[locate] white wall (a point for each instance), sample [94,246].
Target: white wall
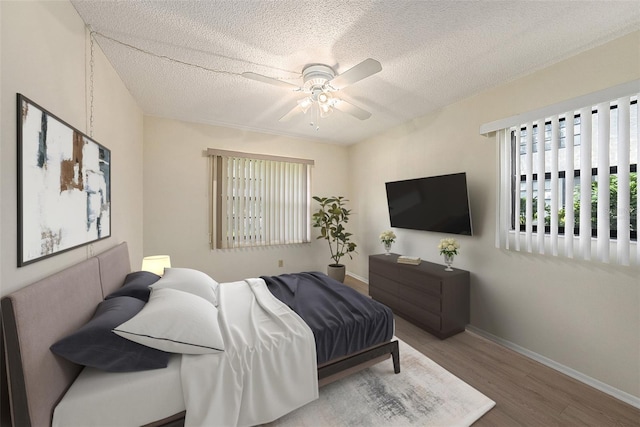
[585,316]
[45,56]
[176,197]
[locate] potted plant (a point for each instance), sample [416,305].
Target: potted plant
[330,219]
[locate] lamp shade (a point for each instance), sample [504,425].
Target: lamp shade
[156,264]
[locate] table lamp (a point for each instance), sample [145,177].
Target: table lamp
[156,264]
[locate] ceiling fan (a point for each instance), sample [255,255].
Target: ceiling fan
[321,84]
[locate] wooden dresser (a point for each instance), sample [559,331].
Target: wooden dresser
[425,294]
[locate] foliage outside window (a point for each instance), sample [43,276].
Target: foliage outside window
[572,178]
[568,181]
[258,200]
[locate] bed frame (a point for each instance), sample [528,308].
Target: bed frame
[38,315]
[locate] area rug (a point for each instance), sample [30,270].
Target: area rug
[422,394]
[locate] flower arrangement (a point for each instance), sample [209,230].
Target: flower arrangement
[448,247]
[387,237]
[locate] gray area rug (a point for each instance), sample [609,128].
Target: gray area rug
[422,394]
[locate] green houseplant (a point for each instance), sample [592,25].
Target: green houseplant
[330,219]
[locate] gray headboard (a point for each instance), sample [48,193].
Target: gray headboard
[38,315]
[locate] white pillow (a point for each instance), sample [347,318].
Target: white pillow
[189,280]
[175,322]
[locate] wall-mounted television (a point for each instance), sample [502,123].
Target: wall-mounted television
[435,203]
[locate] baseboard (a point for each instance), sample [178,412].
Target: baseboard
[599,385]
[355,276]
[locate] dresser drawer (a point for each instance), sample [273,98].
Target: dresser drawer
[377,281]
[383,286]
[383,268]
[418,315]
[416,279]
[419,298]
[408,275]
[384,297]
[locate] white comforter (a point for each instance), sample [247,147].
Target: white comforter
[267,370]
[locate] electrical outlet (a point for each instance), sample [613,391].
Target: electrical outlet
[280,263]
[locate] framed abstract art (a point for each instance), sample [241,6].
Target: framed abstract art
[64,185]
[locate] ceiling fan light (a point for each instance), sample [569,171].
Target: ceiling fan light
[325,110]
[324,98]
[305,104]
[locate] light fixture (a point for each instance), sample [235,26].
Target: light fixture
[323,98]
[305,103]
[321,103]
[156,264]
[325,102]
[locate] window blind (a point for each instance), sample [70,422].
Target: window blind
[568,183]
[258,200]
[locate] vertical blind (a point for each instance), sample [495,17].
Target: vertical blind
[258,200]
[568,183]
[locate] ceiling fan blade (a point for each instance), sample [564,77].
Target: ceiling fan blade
[366,68]
[295,110]
[270,80]
[349,108]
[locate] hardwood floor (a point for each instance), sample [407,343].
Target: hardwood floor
[526,392]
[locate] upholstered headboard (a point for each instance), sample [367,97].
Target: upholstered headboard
[38,315]
[114,266]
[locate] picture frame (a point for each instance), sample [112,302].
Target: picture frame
[64,185]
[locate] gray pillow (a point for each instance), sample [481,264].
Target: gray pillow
[95,345]
[136,285]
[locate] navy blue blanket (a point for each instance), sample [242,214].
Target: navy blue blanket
[343,320]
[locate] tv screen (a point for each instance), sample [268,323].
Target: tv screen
[436,203]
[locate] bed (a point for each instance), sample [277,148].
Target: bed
[35,317]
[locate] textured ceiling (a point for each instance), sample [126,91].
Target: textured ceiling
[432,53]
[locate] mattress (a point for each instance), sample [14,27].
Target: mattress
[98,398]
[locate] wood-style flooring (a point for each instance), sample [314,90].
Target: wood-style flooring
[526,392]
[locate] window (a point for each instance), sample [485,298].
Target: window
[258,200]
[569,179]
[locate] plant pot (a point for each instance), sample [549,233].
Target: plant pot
[336,271]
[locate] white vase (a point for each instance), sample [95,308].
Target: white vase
[448,259]
[387,247]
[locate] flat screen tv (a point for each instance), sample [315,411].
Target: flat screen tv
[436,203]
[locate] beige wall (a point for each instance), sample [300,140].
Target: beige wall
[176,197]
[585,316]
[45,55]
